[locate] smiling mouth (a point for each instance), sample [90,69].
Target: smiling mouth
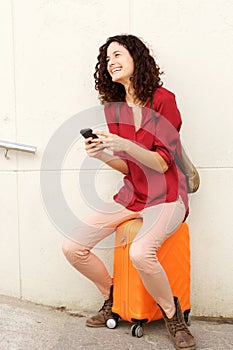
[116,70]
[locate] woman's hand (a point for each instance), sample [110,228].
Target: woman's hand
[113,142]
[94,147]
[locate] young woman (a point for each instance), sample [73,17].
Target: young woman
[144,124]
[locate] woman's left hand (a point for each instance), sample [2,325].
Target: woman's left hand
[113,141]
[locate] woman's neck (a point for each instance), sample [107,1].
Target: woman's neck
[131,98]
[129,94]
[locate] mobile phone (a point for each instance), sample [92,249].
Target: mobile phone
[88,133]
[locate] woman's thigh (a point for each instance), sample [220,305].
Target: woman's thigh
[159,222]
[101,224]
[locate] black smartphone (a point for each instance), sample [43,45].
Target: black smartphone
[88,133]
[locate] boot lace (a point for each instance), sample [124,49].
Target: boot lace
[107,307]
[177,325]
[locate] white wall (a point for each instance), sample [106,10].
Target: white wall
[48,53]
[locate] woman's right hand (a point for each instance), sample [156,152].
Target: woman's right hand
[95,148]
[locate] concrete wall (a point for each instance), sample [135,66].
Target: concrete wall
[48,53]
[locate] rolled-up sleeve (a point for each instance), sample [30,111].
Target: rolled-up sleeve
[167,140]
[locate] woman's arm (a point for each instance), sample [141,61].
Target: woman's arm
[149,158]
[114,162]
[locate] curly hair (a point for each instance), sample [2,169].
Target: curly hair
[146,77]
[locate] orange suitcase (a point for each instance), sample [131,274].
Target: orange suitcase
[131,301]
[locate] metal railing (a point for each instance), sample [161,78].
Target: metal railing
[16,147]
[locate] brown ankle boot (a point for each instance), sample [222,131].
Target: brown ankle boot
[178,330]
[99,320]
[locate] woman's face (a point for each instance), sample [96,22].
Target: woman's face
[120,64]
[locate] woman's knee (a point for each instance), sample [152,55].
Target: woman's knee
[71,248]
[137,256]
[144,259]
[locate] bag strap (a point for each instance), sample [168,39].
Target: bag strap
[154,117]
[117,113]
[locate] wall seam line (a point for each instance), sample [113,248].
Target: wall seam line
[16,135]
[79,169]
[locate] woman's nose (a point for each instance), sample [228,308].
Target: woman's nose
[111,61]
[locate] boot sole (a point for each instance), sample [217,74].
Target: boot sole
[95,326]
[193,347]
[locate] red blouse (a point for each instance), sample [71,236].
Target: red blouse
[144,186]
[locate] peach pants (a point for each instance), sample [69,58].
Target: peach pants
[159,222]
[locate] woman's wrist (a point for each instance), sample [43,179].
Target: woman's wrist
[127,146]
[103,156]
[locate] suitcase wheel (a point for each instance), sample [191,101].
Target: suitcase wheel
[112,322]
[187,317]
[137,331]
